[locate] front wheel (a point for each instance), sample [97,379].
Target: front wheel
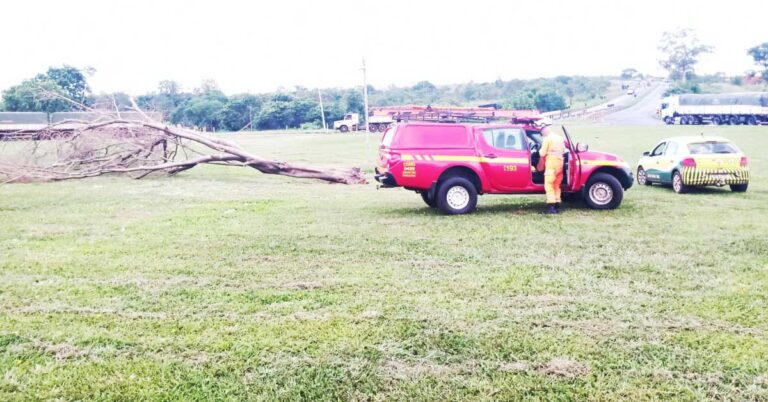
[677,183]
[344,129]
[669,120]
[430,201]
[739,188]
[456,196]
[642,177]
[603,192]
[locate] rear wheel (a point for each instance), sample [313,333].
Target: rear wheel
[642,177]
[603,191]
[716,120]
[456,196]
[752,120]
[739,188]
[733,120]
[430,201]
[677,183]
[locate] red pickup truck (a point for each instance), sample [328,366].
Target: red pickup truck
[451,164]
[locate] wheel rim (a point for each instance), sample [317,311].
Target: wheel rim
[601,193]
[641,177]
[457,197]
[677,183]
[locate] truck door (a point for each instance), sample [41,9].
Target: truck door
[505,158]
[571,163]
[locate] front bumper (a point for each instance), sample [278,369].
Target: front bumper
[714,177]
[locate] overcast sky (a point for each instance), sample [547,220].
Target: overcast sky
[250,46]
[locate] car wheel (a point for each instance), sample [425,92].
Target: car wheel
[430,201]
[734,121]
[677,183]
[752,120]
[716,121]
[603,191]
[739,188]
[456,196]
[343,129]
[669,120]
[642,177]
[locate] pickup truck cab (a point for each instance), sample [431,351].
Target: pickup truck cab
[450,164]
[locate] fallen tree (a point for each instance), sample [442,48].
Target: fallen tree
[77,149]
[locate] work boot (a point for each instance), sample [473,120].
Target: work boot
[551,210]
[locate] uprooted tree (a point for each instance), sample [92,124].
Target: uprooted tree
[76,149]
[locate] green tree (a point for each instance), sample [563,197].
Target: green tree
[548,101]
[760,54]
[239,110]
[49,92]
[71,80]
[681,51]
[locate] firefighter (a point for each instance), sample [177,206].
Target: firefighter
[551,161]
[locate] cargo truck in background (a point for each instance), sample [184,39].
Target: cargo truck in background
[351,122]
[733,109]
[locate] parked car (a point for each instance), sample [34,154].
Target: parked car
[685,162]
[450,164]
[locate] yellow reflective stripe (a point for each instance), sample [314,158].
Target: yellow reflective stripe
[461,158]
[603,163]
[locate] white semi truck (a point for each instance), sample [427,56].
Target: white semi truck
[734,108]
[352,122]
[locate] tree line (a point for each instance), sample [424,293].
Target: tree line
[207,107]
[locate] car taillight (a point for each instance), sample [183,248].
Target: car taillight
[743,161]
[393,157]
[689,162]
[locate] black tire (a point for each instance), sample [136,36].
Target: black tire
[374,127]
[344,129]
[717,120]
[603,191]
[752,120]
[684,120]
[678,184]
[669,120]
[734,121]
[642,177]
[456,196]
[430,201]
[739,188]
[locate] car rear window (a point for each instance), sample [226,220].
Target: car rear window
[712,147]
[442,136]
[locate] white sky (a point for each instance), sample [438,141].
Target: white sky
[260,46]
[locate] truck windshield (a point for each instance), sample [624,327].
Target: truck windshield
[712,147]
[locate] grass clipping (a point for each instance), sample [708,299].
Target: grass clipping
[137,148]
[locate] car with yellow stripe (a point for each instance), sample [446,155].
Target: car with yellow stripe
[450,164]
[695,161]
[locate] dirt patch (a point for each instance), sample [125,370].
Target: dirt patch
[303,285]
[516,367]
[566,368]
[62,351]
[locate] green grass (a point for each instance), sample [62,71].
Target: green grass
[224,284]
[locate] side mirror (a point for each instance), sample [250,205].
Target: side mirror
[646,153]
[582,147]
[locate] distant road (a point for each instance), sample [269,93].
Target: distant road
[643,113]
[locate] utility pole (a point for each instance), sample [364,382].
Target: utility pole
[365,99]
[322,113]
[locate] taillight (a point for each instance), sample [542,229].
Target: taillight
[744,161]
[393,157]
[689,162]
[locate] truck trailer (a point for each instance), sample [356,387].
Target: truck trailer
[733,109]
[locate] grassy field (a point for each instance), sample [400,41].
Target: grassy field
[224,284]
